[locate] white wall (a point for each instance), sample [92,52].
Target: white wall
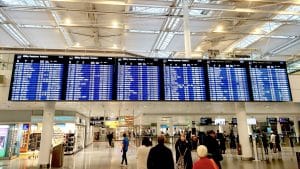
[295,87]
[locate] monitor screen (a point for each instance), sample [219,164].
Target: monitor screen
[228,80]
[205,121]
[283,120]
[234,121]
[184,80]
[269,81]
[219,121]
[89,78]
[138,79]
[251,121]
[272,120]
[37,78]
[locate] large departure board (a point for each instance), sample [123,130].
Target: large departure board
[269,81]
[138,79]
[184,80]
[228,80]
[89,78]
[37,78]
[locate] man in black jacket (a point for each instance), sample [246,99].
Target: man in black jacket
[213,147]
[160,156]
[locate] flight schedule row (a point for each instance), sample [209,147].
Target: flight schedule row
[78,78]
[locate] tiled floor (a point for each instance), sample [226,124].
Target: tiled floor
[99,156]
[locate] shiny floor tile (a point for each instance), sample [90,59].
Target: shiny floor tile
[100,156]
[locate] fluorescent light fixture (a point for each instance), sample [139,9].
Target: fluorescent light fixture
[142,31]
[37,26]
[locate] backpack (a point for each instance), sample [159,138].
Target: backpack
[180,163]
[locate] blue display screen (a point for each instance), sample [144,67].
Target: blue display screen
[89,78]
[184,80]
[138,79]
[228,81]
[269,81]
[37,78]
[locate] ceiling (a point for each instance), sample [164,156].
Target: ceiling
[261,29]
[255,29]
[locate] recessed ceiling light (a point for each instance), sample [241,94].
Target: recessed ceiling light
[68,21]
[219,28]
[77,44]
[115,46]
[115,24]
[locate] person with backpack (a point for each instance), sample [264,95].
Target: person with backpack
[203,162]
[183,153]
[125,144]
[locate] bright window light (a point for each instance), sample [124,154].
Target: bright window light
[150,10]
[266,28]
[23,2]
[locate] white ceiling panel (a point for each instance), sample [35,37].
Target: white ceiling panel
[6,40]
[287,30]
[31,18]
[266,44]
[144,23]
[201,26]
[45,38]
[177,44]
[293,50]
[146,41]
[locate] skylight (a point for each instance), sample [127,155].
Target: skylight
[293,67]
[266,28]
[23,2]
[148,10]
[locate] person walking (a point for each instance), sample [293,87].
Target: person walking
[265,142]
[272,142]
[277,142]
[125,144]
[222,141]
[160,156]
[204,162]
[183,149]
[213,148]
[142,154]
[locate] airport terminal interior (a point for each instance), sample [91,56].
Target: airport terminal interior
[76,75]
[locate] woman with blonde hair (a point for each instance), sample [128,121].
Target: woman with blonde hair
[204,162]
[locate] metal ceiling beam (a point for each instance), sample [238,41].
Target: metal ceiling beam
[80,51]
[202,7]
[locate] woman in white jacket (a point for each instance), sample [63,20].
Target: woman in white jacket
[142,154]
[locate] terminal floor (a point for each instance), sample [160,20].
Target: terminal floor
[100,156]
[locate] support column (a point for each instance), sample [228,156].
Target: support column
[279,130]
[240,111]
[158,128]
[221,130]
[47,133]
[296,127]
[186,27]
[171,127]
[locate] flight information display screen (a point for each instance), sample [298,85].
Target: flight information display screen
[269,81]
[228,80]
[138,79]
[89,78]
[184,80]
[37,78]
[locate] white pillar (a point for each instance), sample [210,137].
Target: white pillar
[171,127]
[158,128]
[47,133]
[187,31]
[296,127]
[221,130]
[240,111]
[279,130]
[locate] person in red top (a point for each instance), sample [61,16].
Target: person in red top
[203,162]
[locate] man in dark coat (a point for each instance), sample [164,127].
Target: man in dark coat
[213,147]
[160,156]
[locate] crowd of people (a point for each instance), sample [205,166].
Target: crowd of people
[161,157]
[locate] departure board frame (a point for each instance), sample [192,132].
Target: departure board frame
[27,58]
[274,64]
[65,59]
